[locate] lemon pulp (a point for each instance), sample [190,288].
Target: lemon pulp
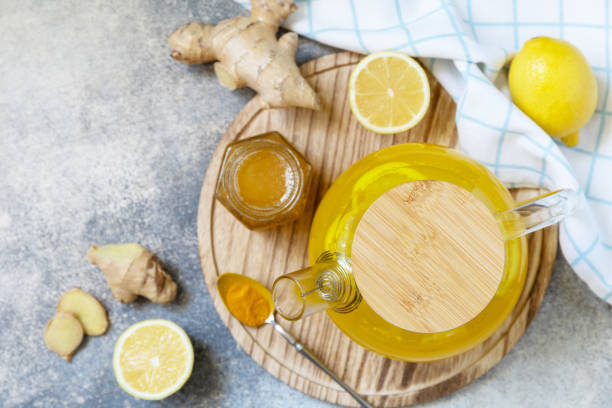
[388,92]
[153,359]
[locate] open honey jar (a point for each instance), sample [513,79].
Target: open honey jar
[264,181]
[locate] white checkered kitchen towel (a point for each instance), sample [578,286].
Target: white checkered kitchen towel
[466,45]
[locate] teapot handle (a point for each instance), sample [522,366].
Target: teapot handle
[537,213]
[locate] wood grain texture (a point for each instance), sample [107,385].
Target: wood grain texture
[428,256]
[332,140]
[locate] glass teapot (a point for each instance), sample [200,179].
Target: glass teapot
[418,252]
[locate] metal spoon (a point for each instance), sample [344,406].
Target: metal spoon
[223,285]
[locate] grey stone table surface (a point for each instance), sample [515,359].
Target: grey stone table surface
[103,138]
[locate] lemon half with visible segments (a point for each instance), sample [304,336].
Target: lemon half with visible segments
[153,359]
[389,92]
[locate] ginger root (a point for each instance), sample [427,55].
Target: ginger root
[249,54]
[78,313]
[132,270]
[87,309]
[63,334]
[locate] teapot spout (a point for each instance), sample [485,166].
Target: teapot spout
[328,284]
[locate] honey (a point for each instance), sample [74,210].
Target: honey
[269,166]
[264,181]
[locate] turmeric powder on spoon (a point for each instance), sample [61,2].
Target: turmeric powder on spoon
[251,302]
[246,299]
[246,304]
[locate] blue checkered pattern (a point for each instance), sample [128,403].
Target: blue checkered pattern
[467,44]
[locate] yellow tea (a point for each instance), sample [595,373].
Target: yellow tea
[350,196]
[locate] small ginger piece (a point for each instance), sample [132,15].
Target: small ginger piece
[87,309]
[133,271]
[63,334]
[248,54]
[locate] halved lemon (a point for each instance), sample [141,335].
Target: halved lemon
[153,359]
[388,92]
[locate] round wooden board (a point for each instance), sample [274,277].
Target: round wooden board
[332,140]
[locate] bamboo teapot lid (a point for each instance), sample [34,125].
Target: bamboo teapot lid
[428,256]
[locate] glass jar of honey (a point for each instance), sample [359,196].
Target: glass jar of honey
[264,181]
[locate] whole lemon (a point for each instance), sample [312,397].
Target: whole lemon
[551,81]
